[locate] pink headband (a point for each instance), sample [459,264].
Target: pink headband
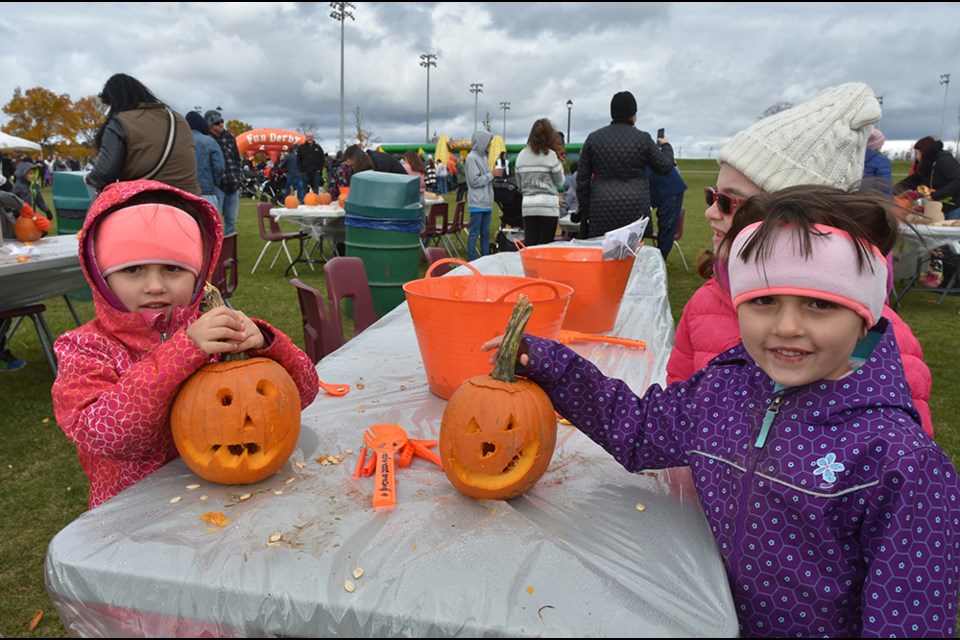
[831,272]
[148,234]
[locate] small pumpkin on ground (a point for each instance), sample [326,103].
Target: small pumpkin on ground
[498,432]
[236,421]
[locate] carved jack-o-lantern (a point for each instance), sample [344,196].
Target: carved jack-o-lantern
[237,421]
[498,432]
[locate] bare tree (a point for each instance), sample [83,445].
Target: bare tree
[775,108]
[365,137]
[308,125]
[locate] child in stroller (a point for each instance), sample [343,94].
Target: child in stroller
[506,193]
[273,187]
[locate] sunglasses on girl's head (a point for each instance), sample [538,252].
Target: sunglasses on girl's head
[725,202]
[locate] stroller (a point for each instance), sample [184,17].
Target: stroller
[506,193]
[274,188]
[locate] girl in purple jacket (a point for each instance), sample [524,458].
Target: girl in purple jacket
[835,514]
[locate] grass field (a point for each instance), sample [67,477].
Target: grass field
[42,488]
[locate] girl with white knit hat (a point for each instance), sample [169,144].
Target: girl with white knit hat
[820,142]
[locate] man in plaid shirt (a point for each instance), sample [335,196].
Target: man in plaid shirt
[228,191]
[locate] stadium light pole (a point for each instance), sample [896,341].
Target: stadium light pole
[945,81]
[428,60]
[569,107]
[476,88]
[504,106]
[341,12]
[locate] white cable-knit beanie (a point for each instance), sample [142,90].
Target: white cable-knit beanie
[822,141]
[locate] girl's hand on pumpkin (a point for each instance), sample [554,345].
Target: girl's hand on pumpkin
[493,344]
[219,330]
[253,338]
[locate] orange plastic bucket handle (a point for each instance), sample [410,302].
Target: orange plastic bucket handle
[519,244]
[458,261]
[533,283]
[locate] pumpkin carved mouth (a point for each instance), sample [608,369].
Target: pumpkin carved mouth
[516,468]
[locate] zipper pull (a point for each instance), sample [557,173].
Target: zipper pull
[163,336]
[768,418]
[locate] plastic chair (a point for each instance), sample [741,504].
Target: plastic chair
[676,236]
[439,253]
[320,334]
[346,277]
[271,232]
[226,274]
[35,313]
[459,224]
[437,226]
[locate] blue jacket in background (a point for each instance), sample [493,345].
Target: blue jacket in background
[210,163]
[877,173]
[664,186]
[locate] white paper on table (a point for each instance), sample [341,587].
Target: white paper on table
[18,251]
[624,242]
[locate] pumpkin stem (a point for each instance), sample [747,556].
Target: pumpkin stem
[212,299]
[504,369]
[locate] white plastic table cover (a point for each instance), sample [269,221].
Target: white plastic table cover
[54,271]
[573,557]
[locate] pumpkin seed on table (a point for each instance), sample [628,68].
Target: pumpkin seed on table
[349,586]
[357,573]
[175,500]
[641,506]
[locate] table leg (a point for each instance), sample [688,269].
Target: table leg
[302,237]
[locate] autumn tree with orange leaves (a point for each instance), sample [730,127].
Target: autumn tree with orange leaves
[42,116]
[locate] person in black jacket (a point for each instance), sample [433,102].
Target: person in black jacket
[310,158]
[938,169]
[612,186]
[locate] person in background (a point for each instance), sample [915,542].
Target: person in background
[291,164]
[228,191]
[877,171]
[452,169]
[666,196]
[539,174]
[413,164]
[310,158]
[442,178]
[431,175]
[27,187]
[479,180]
[12,207]
[834,513]
[133,139]
[612,186]
[146,250]
[935,168]
[210,162]
[568,203]
[819,142]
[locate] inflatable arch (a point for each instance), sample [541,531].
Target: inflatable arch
[270,141]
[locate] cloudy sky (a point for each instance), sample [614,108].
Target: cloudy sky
[701,70]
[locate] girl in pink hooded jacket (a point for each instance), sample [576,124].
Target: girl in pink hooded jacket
[147,249]
[820,142]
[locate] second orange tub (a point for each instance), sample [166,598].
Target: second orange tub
[598,284]
[454,315]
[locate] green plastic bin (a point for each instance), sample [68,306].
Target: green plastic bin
[383,218]
[71,199]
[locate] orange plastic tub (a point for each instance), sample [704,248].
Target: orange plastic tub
[598,284]
[454,315]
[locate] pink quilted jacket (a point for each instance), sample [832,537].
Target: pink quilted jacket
[120,372]
[709,327]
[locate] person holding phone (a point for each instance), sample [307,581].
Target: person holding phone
[612,185]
